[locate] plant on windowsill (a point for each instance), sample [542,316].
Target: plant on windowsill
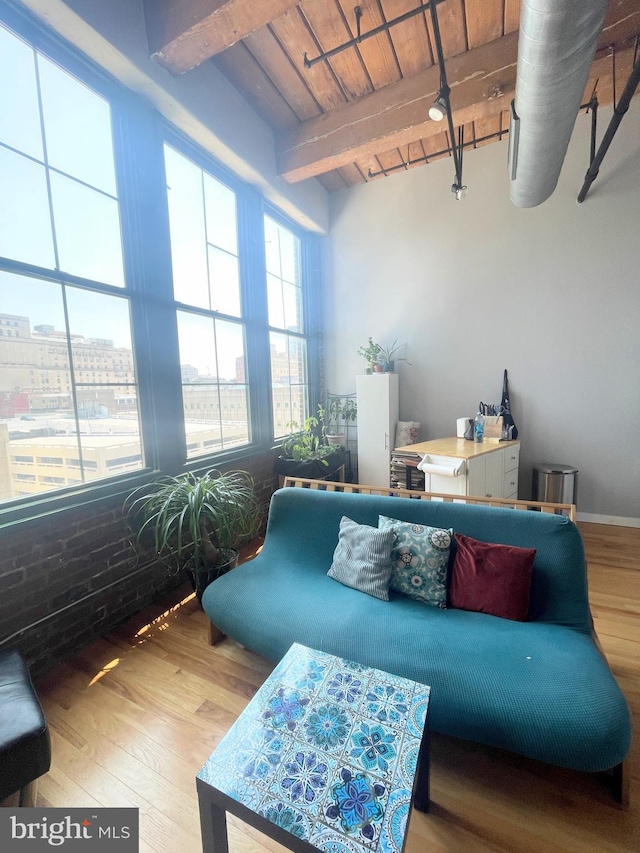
[197,522]
[305,453]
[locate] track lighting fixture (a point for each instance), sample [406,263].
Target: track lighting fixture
[438,109]
[460,191]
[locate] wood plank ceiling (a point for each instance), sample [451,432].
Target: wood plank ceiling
[363,113]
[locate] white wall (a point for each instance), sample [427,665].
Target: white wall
[472,287]
[202,103]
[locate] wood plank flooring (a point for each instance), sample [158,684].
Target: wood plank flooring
[135,715]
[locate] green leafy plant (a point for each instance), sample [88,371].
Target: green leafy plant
[370,352]
[199,521]
[337,413]
[306,442]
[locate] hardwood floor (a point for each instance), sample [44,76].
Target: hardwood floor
[134,716]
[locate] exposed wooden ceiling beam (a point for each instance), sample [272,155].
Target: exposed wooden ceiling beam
[183,33]
[482,84]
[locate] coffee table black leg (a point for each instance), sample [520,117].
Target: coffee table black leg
[421,789]
[213,825]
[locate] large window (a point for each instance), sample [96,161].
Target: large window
[68,393]
[206,284]
[151,314]
[288,344]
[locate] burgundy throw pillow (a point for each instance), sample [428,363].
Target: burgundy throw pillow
[491,578]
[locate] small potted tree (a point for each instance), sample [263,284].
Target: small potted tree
[370,354]
[335,417]
[196,521]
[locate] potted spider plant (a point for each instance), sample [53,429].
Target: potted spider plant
[197,521]
[387,357]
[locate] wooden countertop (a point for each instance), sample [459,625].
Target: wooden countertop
[458,448]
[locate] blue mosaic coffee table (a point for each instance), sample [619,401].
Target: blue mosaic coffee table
[328,755]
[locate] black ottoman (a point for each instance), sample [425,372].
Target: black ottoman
[25,749]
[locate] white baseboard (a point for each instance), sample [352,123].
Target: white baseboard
[618,520]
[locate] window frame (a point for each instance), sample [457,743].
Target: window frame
[139,134]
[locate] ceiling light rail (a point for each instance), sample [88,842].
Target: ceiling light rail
[589,106]
[408,163]
[360,37]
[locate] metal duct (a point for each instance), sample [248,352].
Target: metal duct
[556,47]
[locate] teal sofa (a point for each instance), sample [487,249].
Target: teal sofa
[539,688]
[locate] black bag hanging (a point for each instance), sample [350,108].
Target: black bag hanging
[506,407]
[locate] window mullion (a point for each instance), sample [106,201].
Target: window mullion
[254,309]
[145,225]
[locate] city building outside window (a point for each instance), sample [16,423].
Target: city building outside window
[70,355]
[112,364]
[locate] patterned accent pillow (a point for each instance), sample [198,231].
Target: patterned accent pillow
[419,560]
[362,559]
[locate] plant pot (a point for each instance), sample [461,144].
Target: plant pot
[377,368]
[209,574]
[388,366]
[313,469]
[339,438]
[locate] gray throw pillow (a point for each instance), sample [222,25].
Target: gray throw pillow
[362,559]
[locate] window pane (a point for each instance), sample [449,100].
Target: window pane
[214,391]
[87,232]
[77,128]
[289,255]
[220,205]
[197,346]
[289,382]
[292,298]
[187,225]
[230,345]
[279,359]
[101,329]
[202,418]
[25,223]
[225,282]
[272,247]
[284,293]
[274,296]
[37,392]
[297,360]
[19,113]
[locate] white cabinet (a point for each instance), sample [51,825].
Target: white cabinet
[378,412]
[486,475]
[486,470]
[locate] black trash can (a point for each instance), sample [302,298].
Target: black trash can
[555,483]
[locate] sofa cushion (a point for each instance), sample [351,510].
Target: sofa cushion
[419,560]
[362,558]
[536,689]
[491,578]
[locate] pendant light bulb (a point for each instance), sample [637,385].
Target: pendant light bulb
[438,109]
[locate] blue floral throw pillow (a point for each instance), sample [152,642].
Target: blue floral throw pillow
[362,559]
[419,560]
